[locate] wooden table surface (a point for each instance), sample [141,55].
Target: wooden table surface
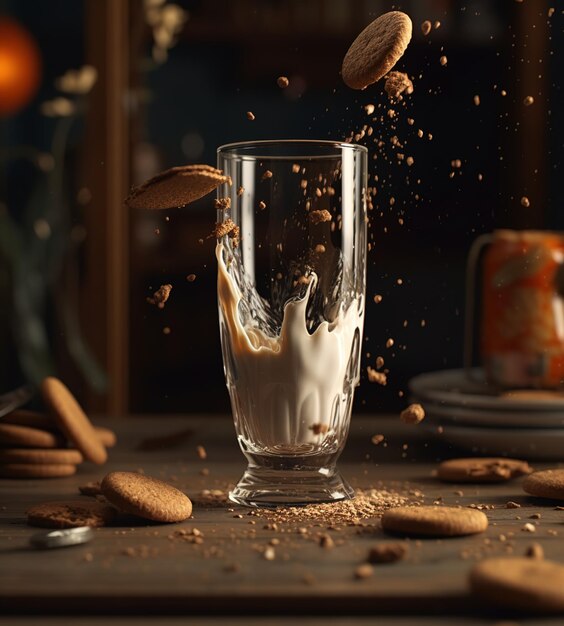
[145,569]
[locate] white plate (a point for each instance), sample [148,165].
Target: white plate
[527,443]
[446,413]
[453,388]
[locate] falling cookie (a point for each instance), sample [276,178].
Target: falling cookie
[377,49]
[435,521]
[546,484]
[146,497]
[520,584]
[72,420]
[482,470]
[71,514]
[176,187]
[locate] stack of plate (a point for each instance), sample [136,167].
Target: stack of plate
[463,410]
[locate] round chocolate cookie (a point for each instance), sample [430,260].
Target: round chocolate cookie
[70,514]
[434,521]
[520,584]
[35,470]
[26,437]
[146,497]
[546,484]
[482,470]
[377,49]
[72,420]
[37,456]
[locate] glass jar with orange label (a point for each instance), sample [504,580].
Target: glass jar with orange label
[522,313]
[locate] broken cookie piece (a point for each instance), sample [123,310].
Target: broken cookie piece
[160,296]
[398,83]
[319,216]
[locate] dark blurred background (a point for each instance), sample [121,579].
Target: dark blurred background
[165,84]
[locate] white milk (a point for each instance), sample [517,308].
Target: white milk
[282,388]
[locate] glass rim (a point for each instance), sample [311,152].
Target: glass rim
[236,149]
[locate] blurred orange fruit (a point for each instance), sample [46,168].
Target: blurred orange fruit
[20,66]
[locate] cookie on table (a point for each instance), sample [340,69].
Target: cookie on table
[146,497]
[482,470]
[27,437]
[520,584]
[434,521]
[176,187]
[72,420]
[41,456]
[376,50]
[91,489]
[106,436]
[70,514]
[35,470]
[546,484]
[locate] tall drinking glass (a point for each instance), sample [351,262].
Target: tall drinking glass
[291,311]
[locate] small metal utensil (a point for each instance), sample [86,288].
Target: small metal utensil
[62,538]
[13,400]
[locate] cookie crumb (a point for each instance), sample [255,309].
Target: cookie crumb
[535,551]
[250,116]
[240,191]
[267,174]
[320,248]
[222,204]
[376,377]
[378,298]
[369,108]
[228,227]
[191,278]
[413,414]
[529,528]
[512,505]
[201,452]
[166,330]
[398,83]
[528,100]
[326,542]
[364,571]
[443,60]
[389,343]
[160,296]
[282,82]
[319,216]
[436,25]
[477,100]
[319,429]
[269,553]
[295,168]
[387,553]
[376,439]
[262,205]
[426,27]
[525,202]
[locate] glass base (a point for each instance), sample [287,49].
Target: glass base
[266,487]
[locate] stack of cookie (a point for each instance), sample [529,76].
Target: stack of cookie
[53,444]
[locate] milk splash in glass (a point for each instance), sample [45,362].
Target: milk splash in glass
[291,308]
